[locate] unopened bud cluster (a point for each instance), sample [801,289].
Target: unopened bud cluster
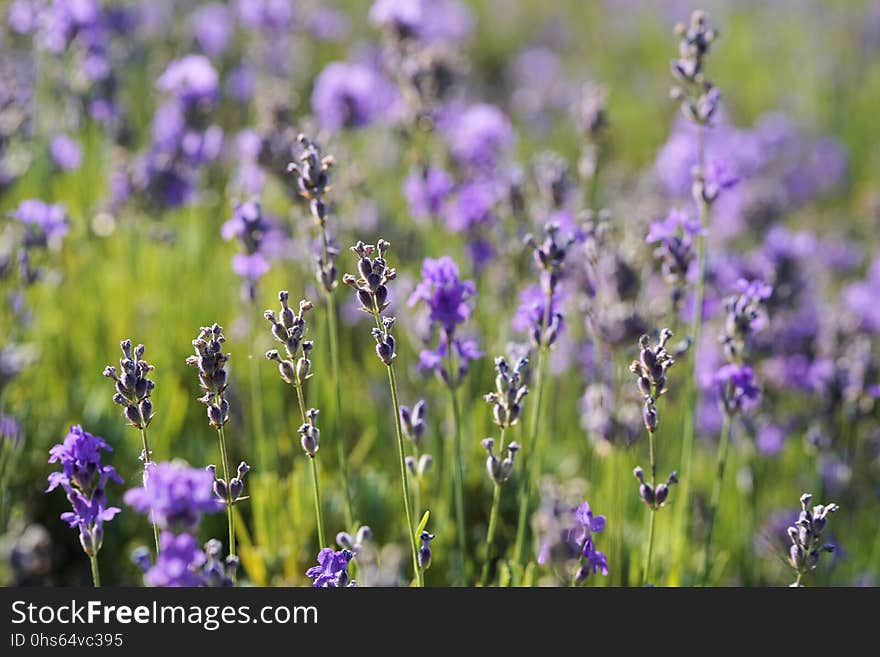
[289,329]
[550,255]
[133,388]
[313,183]
[806,536]
[499,470]
[654,498]
[213,376]
[310,434]
[232,491]
[699,97]
[509,392]
[650,372]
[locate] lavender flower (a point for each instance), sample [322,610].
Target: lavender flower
[213,376]
[250,227]
[191,80]
[356,543]
[699,97]
[745,317]
[332,569]
[426,191]
[133,388]
[477,136]
[175,496]
[84,480]
[350,95]
[674,237]
[737,388]
[181,562]
[499,470]
[509,392]
[66,153]
[313,183]
[806,537]
[230,492]
[425,554]
[650,372]
[447,299]
[290,331]
[310,433]
[45,223]
[567,535]
[429,21]
[413,422]
[550,257]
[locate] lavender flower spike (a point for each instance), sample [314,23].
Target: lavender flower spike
[84,480]
[806,537]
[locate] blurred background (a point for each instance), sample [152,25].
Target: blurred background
[84,124]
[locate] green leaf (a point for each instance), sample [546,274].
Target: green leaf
[423,523]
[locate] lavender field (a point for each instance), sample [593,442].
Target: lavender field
[439,293]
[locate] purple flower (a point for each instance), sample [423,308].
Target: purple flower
[737,387]
[45,222]
[190,79]
[80,458]
[332,569]
[861,297]
[677,223]
[250,266]
[241,83]
[447,299]
[477,135]
[178,562]
[84,480]
[426,191]
[10,431]
[175,496]
[466,349]
[429,21]
[470,208]
[532,308]
[770,439]
[350,95]
[269,15]
[66,153]
[567,535]
[212,28]
[444,293]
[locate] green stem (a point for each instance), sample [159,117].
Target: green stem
[647,573]
[230,517]
[257,395]
[147,462]
[319,517]
[401,453]
[693,391]
[531,460]
[96,576]
[493,521]
[338,434]
[723,448]
[392,381]
[318,514]
[457,471]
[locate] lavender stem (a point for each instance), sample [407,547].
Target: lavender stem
[647,574]
[493,521]
[147,461]
[319,517]
[458,473]
[530,449]
[96,576]
[723,449]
